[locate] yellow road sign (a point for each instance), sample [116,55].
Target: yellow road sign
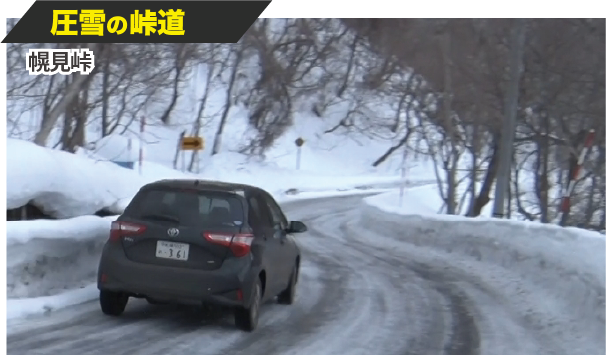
[192,143]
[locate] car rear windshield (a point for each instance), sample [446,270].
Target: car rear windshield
[187,207]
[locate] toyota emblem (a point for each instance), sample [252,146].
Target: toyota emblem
[172,232]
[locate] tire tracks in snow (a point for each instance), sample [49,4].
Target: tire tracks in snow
[502,327]
[357,295]
[444,321]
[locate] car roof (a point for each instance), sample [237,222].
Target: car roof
[203,185]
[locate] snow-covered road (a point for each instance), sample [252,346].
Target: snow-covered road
[365,289]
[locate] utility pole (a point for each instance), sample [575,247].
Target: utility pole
[516,54]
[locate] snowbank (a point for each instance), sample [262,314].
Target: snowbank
[563,267]
[64,185]
[117,148]
[45,258]
[78,228]
[18,308]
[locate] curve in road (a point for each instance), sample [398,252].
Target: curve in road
[355,296]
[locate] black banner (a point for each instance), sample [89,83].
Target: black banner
[136,21]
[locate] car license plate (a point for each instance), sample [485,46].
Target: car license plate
[172,250]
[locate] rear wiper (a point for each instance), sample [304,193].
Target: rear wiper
[161,217]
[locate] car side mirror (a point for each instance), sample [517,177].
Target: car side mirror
[297,227]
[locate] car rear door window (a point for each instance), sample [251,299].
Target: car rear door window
[278,218]
[195,208]
[259,213]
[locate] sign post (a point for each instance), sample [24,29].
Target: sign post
[182,159]
[192,144]
[130,152]
[299,143]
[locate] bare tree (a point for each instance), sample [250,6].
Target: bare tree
[210,59]
[71,91]
[237,54]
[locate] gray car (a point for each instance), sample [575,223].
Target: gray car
[198,242]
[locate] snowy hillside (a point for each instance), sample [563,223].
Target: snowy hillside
[326,97]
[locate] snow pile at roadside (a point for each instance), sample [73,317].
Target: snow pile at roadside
[18,308]
[64,185]
[46,258]
[77,228]
[557,268]
[117,148]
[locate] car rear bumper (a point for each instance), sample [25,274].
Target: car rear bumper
[224,286]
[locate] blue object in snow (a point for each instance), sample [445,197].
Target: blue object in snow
[125,164]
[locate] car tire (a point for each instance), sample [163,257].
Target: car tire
[112,303]
[248,318]
[288,296]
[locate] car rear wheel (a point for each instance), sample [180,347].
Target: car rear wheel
[288,296]
[113,303]
[247,318]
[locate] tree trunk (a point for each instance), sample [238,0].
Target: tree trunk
[105,98]
[230,87]
[516,57]
[451,168]
[544,175]
[178,150]
[350,64]
[597,189]
[50,120]
[79,134]
[474,163]
[572,162]
[491,173]
[198,124]
[603,219]
[67,124]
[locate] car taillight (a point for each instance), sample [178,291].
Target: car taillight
[239,244]
[120,229]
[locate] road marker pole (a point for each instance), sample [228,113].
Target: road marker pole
[141,133]
[299,143]
[403,174]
